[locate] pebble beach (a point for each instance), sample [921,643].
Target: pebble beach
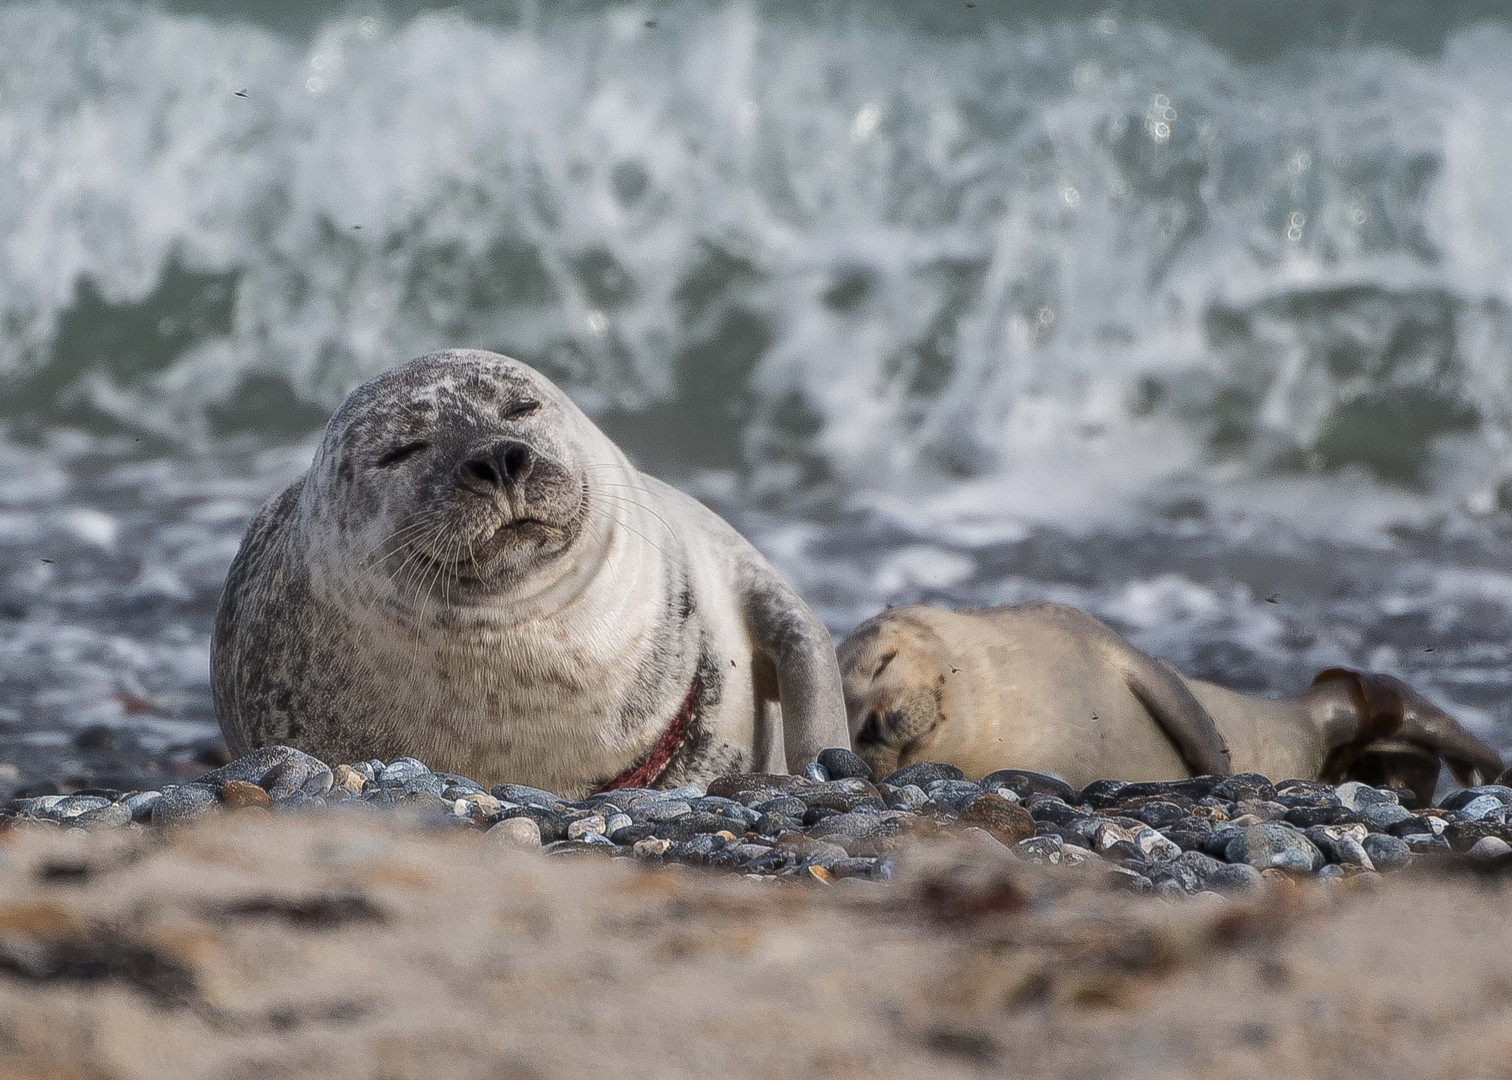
[837,821]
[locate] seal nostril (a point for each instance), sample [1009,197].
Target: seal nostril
[515,460]
[482,469]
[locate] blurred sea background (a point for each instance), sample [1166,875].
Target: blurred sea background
[1196,315]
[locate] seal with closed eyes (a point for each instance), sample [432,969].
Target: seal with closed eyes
[472,574]
[1051,689]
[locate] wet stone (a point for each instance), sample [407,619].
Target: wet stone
[1044,850]
[1462,835]
[783,804]
[1483,808]
[1006,821]
[185,803]
[842,764]
[952,796]
[523,795]
[1024,784]
[1273,846]
[593,823]
[815,772]
[731,787]
[907,797]
[923,773]
[239,793]
[1357,796]
[350,779]
[1339,846]
[71,806]
[1489,847]
[140,803]
[111,815]
[1305,817]
[1102,794]
[1462,800]
[1189,835]
[659,810]
[551,825]
[773,824]
[691,824]
[1383,815]
[1159,815]
[1420,843]
[1244,787]
[1387,852]
[401,771]
[516,832]
[1053,810]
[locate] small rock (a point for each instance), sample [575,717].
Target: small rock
[842,764]
[112,815]
[1243,787]
[1461,800]
[1024,784]
[1383,815]
[1006,821]
[344,776]
[522,795]
[593,823]
[1482,807]
[1273,846]
[95,737]
[1489,847]
[907,797]
[238,793]
[516,832]
[185,803]
[140,804]
[400,771]
[1387,852]
[816,772]
[1044,850]
[732,787]
[923,773]
[1357,796]
[651,846]
[659,810]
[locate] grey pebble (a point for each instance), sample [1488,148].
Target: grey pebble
[842,764]
[1274,846]
[1489,847]
[1387,852]
[184,803]
[516,832]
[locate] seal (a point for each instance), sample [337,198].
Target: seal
[473,574]
[1053,689]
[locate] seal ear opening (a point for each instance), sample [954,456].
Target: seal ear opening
[1388,709]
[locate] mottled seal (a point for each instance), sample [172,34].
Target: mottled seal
[471,573]
[1050,688]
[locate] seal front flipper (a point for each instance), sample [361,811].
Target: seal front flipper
[808,675]
[1180,715]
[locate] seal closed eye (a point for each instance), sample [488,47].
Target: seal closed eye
[471,573]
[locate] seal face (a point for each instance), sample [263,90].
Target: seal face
[473,574]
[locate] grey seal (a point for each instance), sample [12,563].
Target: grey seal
[473,574]
[1050,688]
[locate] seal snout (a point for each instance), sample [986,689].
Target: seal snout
[495,469]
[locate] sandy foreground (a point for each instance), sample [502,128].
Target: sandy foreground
[332,946]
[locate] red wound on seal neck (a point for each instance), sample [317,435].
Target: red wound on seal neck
[649,768]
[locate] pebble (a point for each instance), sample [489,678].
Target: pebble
[1490,847]
[834,823]
[923,773]
[516,832]
[1274,846]
[1386,852]
[184,803]
[238,793]
[842,764]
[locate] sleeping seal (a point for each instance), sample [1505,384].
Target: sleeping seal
[471,573]
[1052,689]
